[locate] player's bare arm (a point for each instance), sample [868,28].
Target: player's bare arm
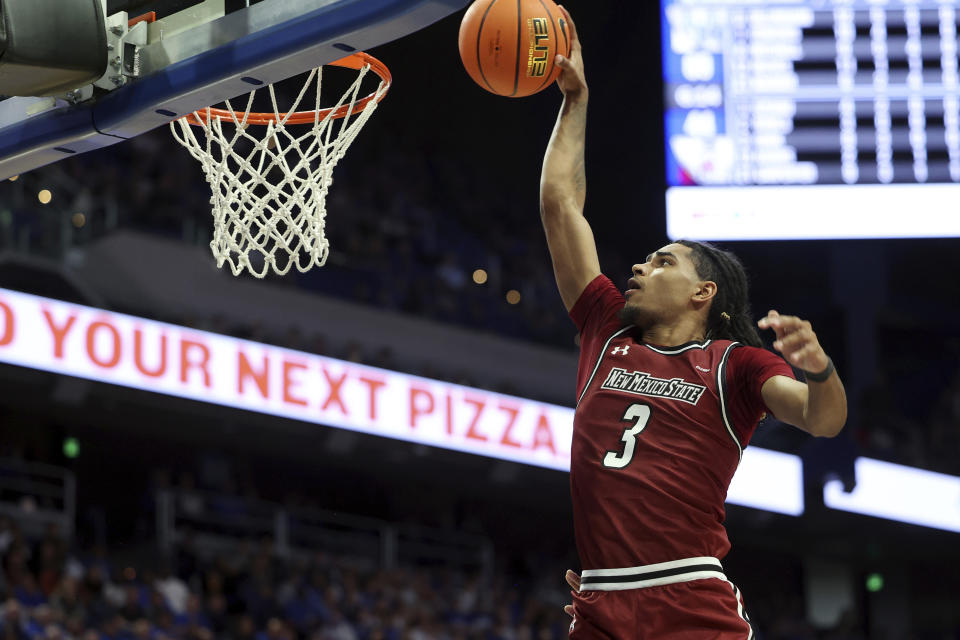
[819,407]
[563,182]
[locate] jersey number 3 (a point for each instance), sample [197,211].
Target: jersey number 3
[638,415]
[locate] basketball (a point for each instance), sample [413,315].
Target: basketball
[509,46]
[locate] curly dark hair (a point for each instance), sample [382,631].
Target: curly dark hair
[730,317]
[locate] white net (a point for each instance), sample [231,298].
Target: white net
[269,191]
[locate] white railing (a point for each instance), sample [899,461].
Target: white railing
[37,495]
[216,523]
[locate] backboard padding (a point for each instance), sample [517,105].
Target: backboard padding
[270,41]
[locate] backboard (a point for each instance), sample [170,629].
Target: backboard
[198,53]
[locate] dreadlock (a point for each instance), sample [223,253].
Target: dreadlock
[729,317]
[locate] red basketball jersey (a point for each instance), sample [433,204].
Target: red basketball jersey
[658,434]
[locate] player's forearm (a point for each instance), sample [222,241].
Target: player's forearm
[563,180]
[826,409]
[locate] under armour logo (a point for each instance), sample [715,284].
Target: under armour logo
[620,350]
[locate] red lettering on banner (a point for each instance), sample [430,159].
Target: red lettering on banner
[59,333]
[449,415]
[7,325]
[245,370]
[114,358]
[375,385]
[334,394]
[512,413]
[185,364]
[416,410]
[472,432]
[543,435]
[288,382]
[138,354]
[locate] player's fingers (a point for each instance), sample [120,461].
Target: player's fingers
[565,63]
[786,325]
[569,609]
[767,323]
[573,579]
[574,41]
[780,321]
[769,320]
[792,323]
[794,340]
[801,354]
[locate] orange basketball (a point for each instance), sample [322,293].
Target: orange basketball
[509,46]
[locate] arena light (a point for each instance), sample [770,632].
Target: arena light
[71,447]
[874,582]
[897,492]
[163,358]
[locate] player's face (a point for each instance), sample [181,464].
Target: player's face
[662,287]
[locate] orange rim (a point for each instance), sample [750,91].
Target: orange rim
[356,61]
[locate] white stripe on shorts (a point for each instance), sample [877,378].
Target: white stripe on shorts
[651,575]
[741,611]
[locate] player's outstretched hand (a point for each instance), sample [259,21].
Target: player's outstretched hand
[796,341]
[572,80]
[573,579]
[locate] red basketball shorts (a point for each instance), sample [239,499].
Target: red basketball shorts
[688,599]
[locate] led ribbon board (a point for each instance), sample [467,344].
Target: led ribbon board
[900,493]
[90,343]
[768,480]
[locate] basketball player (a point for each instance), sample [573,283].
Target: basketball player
[671,385]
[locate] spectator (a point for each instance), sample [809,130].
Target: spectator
[193,616]
[27,592]
[174,590]
[13,625]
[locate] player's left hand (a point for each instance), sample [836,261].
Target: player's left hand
[796,341]
[573,579]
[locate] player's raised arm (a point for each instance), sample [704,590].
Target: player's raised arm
[563,183]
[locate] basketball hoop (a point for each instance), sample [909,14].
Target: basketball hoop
[281,219]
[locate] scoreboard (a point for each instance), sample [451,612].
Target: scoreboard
[811,118]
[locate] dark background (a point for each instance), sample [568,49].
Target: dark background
[456,170]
